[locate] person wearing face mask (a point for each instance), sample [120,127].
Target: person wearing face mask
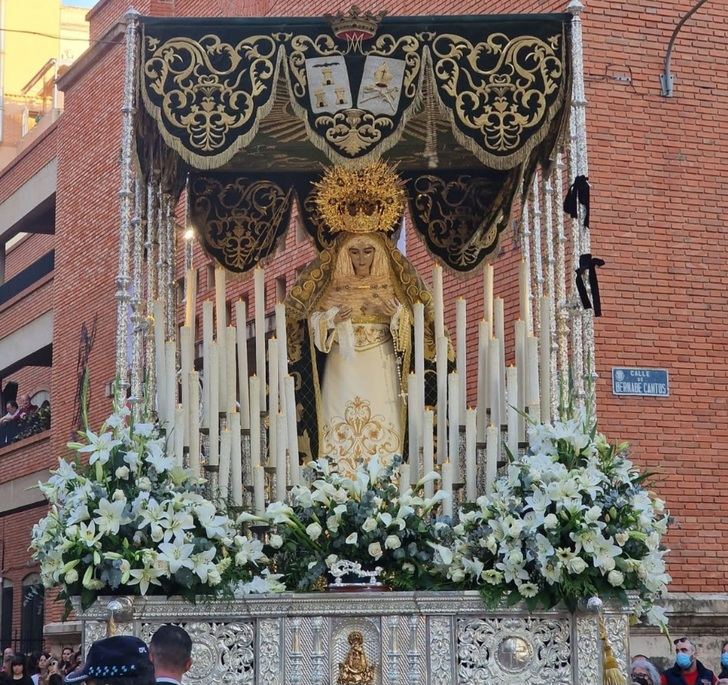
[687,669]
[643,672]
[723,675]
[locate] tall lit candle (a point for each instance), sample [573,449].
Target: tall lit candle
[494,390]
[281,461]
[512,412]
[213,447]
[447,481]
[226,444]
[282,338]
[492,440]
[404,478]
[241,339]
[499,324]
[413,437]
[207,338]
[193,419]
[179,434]
[230,367]
[524,291]
[533,400]
[190,297]
[273,401]
[259,284]
[461,359]
[471,467]
[545,358]
[438,301]
[258,490]
[186,366]
[482,419]
[441,367]
[453,424]
[161,368]
[170,382]
[220,335]
[418,310]
[294,467]
[428,454]
[254,422]
[236,460]
[488,298]
[520,339]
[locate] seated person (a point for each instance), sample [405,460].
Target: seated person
[26,407]
[11,409]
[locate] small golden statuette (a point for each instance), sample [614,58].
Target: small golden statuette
[355,670]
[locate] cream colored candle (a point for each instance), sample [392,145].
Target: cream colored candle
[236,460]
[520,354]
[281,461]
[213,446]
[404,478]
[461,360]
[418,311]
[453,425]
[161,367]
[170,382]
[545,359]
[412,435]
[524,292]
[241,339]
[492,442]
[207,338]
[482,418]
[438,301]
[471,466]
[512,413]
[254,422]
[220,336]
[294,467]
[282,338]
[193,419]
[190,297]
[260,371]
[441,367]
[494,391]
[179,434]
[428,455]
[447,481]
[500,332]
[488,298]
[225,458]
[533,400]
[259,490]
[273,401]
[186,366]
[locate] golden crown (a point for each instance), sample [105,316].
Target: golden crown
[355,24]
[363,200]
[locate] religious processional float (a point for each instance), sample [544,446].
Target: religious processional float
[342,514]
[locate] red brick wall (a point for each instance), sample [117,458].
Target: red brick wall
[26,165]
[29,305]
[26,251]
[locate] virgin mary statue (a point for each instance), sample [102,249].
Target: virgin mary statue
[350,323]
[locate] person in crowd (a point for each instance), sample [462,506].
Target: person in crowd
[643,672]
[40,673]
[65,666]
[54,674]
[117,660]
[18,675]
[11,411]
[170,650]
[26,407]
[723,675]
[8,655]
[687,669]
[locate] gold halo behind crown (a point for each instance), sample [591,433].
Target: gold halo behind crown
[363,200]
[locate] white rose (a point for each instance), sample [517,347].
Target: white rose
[314,530]
[332,523]
[369,525]
[577,565]
[213,577]
[392,542]
[456,575]
[118,496]
[144,484]
[122,472]
[352,539]
[550,522]
[276,541]
[615,578]
[621,539]
[72,576]
[407,567]
[375,550]
[157,533]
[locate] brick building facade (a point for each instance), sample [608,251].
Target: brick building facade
[658,201]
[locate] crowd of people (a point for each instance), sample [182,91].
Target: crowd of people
[39,668]
[687,669]
[23,419]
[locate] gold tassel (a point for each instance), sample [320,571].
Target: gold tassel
[610,666]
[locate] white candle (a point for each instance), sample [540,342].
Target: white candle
[236,460]
[282,338]
[225,458]
[213,447]
[259,490]
[207,337]
[437,296]
[273,401]
[471,470]
[418,310]
[292,431]
[461,359]
[500,333]
[494,381]
[524,291]
[179,434]
[259,282]
[241,337]
[488,298]
[161,367]
[428,455]
[482,419]
[170,382]
[545,358]
[533,400]
[220,336]
[447,481]
[281,461]
[193,419]
[190,297]
[453,424]
[230,367]
[441,367]
[492,440]
[520,339]
[413,437]
[512,413]
[404,478]
[254,422]
[186,366]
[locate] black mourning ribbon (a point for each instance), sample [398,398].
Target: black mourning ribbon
[590,264]
[578,195]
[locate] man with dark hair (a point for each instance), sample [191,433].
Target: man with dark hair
[171,653]
[687,669]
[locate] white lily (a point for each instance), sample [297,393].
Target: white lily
[176,555]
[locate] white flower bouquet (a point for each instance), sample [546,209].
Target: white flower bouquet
[569,520]
[133,521]
[363,519]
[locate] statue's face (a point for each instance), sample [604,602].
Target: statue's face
[362,256]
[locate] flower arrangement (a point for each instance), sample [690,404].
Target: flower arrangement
[132,520]
[363,519]
[569,520]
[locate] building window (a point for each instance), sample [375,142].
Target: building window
[210,276]
[280,288]
[6,615]
[31,615]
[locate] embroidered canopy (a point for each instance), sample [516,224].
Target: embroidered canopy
[254,109]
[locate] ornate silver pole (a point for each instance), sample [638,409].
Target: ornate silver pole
[150,243]
[526,247]
[548,200]
[562,310]
[537,254]
[138,319]
[126,195]
[169,289]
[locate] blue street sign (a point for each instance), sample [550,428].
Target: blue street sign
[642,382]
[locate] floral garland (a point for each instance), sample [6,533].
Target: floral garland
[133,521]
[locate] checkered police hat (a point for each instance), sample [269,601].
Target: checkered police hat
[113,657]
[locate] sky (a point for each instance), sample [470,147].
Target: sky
[80,3]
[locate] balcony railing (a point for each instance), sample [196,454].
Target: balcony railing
[27,277]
